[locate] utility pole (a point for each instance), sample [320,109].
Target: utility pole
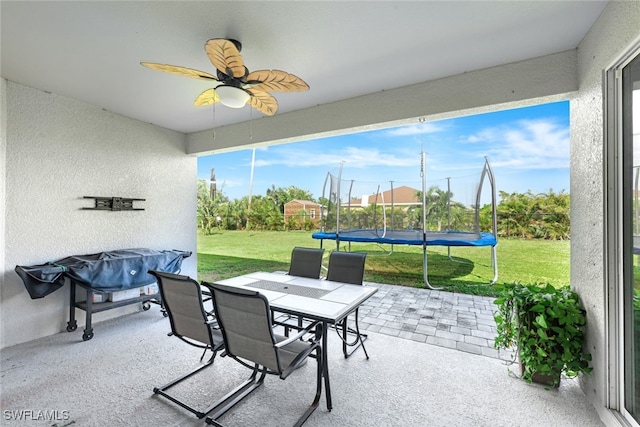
[253,162]
[212,185]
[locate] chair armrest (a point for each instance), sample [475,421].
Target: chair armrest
[297,336]
[311,345]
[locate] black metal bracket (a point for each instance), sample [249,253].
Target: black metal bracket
[113,204]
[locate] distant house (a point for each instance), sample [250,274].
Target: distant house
[302,208]
[402,197]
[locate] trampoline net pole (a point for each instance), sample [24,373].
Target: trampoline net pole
[423,175]
[636,199]
[488,172]
[323,214]
[393,227]
[349,205]
[338,197]
[349,210]
[384,215]
[449,212]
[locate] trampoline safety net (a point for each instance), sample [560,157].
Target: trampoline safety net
[447,207]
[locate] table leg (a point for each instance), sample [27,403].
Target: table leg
[325,363]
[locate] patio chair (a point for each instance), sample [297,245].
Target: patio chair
[245,321]
[183,301]
[305,262]
[348,267]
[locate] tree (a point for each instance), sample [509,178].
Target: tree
[281,196]
[531,216]
[264,215]
[208,209]
[369,217]
[441,211]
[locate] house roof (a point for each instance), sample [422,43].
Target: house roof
[303,202]
[403,195]
[343,50]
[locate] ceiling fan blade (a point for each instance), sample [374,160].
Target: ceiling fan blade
[263,102]
[276,81]
[225,56]
[180,71]
[208,97]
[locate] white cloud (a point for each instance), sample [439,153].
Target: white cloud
[231,183]
[258,163]
[417,129]
[483,136]
[527,144]
[351,156]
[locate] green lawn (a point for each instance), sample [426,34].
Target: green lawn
[228,253]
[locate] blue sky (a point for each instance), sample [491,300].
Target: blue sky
[528,149]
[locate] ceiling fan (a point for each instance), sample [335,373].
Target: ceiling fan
[234,85]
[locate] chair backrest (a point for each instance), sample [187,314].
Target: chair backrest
[346,267]
[306,262]
[182,299]
[245,320]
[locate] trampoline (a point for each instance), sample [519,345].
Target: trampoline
[411,237]
[461,220]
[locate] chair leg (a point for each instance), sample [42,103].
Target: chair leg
[316,400]
[162,390]
[358,341]
[236,395]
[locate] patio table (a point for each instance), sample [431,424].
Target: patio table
[315,299]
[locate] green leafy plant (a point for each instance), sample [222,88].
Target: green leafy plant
[545,326]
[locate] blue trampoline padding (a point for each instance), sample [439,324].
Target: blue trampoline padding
[411,237]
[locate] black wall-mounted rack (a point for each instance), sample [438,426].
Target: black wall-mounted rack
[113,204]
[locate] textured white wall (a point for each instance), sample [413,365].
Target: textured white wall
[614,31]
[3,188]
[59,150]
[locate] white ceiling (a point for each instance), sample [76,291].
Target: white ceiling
[91,50]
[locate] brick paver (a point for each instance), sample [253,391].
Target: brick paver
[459,321]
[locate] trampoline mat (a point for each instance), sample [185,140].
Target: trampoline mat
[286,288]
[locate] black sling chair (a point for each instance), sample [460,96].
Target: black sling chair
[348,267]
[305,262]
[183,300]
[245,321]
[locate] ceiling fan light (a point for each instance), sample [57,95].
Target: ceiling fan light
[231,96]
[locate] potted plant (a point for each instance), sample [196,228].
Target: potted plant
[545,326]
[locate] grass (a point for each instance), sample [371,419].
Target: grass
[229,253]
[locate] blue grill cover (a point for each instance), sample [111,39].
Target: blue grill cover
[105,271]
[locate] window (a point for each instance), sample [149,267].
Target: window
[622,219]
[631,236]
[313,213]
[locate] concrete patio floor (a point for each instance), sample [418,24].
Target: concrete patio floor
[425,376]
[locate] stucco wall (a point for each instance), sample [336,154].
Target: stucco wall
[3,187]
[618,26]
[59,150]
